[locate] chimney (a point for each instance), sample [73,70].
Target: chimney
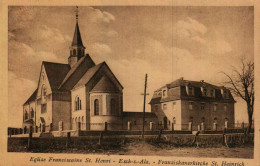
[201,80]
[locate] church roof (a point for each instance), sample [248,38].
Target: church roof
[76,72]
[88,75]
[31,98]
[77,41]
[56,72]
[105,85]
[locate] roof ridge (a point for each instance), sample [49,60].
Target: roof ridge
[73,68]
[55,63]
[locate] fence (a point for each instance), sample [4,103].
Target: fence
[236,127]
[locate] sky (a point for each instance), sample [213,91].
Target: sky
[167,43]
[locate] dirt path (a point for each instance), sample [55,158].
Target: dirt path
[143,148]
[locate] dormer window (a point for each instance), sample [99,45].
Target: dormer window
[190,90]
[205,92]
[225,93]
[164,92]
[212,93]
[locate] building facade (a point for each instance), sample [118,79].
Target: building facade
[80,95]
[193,104]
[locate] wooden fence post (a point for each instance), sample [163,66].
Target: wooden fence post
[105,126]
[30,140]
[100,138]
[68,140]
[159,136]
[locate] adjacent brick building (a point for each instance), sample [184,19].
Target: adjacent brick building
[183,102]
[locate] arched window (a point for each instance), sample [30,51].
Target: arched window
[215,120]
[113,106]
[77,103]
[203,119]
[74,52]
[32,113]
[25,115]
[191,119]
[96,107]
[44,91]
[79,52]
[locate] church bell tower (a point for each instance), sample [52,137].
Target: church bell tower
[77,49]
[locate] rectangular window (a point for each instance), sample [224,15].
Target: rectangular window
[174,106]
[225,107]
[44,108]
[205,92]
[190,105]
[202,106]
[164,93]
[212,93]
[190,91]
[164,106]
[215,107]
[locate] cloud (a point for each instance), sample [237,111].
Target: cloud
[189,28]
[100,51]
[26,88]
[98,15]
[110,33]
[220,46]
[20,17]
[19,50]
[49,34]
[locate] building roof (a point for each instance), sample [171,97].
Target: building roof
[88,75]
[31,98]
[78,70]
[56,73]
[139,114]
[181,93]
[105,85]
[77,41]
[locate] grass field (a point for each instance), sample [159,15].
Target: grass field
[130,146]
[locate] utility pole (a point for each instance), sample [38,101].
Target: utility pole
[145,85]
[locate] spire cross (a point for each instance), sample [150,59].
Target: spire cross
[77,12]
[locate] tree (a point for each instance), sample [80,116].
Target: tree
[241,84]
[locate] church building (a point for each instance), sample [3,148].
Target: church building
[80,91]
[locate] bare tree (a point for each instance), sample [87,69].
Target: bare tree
[241,84]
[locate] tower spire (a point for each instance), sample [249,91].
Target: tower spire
[77,49]
[77,13]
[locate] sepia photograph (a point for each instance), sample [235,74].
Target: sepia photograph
[169,81]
